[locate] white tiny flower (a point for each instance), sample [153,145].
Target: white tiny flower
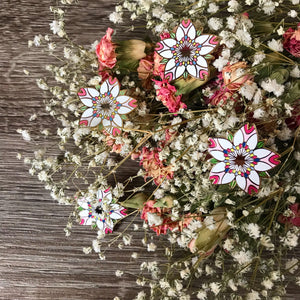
[232,285]
[259,113]
[258,58]
[215,23]
[292,13]
[291,199]
[87,250]
[253,230]
[233,6]
[55,26]
[267,283]
[271,85]
[215,287]
[154,219]
[292,265]
[25,134]
[244,37]
[254,295]
[202,295]
[151,247]
[119,273]
[275,45]
[280,31]
[212,8]
[295,72]
[116,17]
[96,246]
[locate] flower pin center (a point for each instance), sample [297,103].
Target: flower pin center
[99,210]
[240,160]
[185,51]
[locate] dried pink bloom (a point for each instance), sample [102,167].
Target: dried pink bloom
[163,218]
[166,93]
[154,167]
[294,219]
[105,51]
[291,41]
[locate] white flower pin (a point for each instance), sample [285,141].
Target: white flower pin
[101,211]
[186,52]
[106,106]
[241,161]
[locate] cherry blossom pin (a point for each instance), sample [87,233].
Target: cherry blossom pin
[242,162]
[101,212]
[105,107]
[187,52]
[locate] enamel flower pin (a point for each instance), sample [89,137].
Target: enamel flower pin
[100,211]
[241,162]
[187,52]
[105,107]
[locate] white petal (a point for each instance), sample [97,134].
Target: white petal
[179,33]
[123,99]
[107,195]
[166,54]
[104,87]
[238,137]
[116,214]
[99,195]
[202,38]
[124,110]
[191,32]
[87,113]
[95,121]
[225,144]
[261,153]
[192,70]
[109,224]
[170,64]
[169,42]
[179,71]
[254,177]
[246,134]
[205,50]
[201,61]
[252,142]
[100,225]
[219,155]
[86,101]
[241,181]
[115,90]
[219,167]
[84,213]
[83,203]
[117,121]
[93,92]
[106,123]
[261,166]
[228,177]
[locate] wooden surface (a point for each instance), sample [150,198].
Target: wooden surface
[37,261]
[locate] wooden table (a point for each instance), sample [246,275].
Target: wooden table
[37,261]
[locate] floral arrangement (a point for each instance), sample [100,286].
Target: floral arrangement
[208,108]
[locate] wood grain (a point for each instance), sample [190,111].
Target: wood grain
[37,261]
